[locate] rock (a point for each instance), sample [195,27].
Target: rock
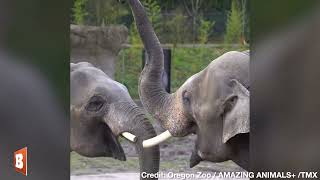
[97,45]
[181,153]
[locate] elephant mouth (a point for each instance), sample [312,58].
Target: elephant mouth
[113,146]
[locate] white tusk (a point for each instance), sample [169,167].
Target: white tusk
[130,136]
[156,140]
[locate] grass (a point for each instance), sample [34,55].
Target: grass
[184,63]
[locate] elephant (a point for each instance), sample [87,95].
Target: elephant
[101,110]
[213,103]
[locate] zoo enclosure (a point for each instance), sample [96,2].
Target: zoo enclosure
[185,61]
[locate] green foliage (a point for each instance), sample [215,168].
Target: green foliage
[185,63]
[106,12]
[234,32]
[154,14]
[204,30]
[134,35]
[246,19]
[79,12]
[128,69]
[175,28]
[153,10]
[183,21]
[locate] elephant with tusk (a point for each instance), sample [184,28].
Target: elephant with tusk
[101,110]
[214,103]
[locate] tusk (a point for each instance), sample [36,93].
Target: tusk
[130,136]
[156,140]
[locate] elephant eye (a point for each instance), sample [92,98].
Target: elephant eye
[186,96]
[95,103]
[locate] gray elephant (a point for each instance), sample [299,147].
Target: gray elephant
[214,103]
[101,110]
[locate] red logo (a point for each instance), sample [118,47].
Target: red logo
[20,161]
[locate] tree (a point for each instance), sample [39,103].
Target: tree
[79,12]
[106,12]
[154,14]
[234,32]
[193,10]
[204,30]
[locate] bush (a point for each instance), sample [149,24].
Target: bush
[79,12]
[204,30]
[175,30]
[234,30]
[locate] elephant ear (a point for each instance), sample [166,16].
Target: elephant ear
[236,111]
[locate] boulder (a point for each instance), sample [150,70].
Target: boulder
[97,45]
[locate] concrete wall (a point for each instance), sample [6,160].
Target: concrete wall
[97,45]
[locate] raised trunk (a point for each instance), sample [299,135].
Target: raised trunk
[130,118]
[155,99]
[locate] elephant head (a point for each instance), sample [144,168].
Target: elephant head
[213,103]
[101,110]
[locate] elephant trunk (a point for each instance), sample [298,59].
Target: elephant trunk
[148,157]
[160,104]
[132,119]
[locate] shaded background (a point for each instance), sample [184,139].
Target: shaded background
[38,31]
[34,87]
[285,86]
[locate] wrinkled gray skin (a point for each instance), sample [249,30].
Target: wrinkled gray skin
[102,109]
[213,103]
